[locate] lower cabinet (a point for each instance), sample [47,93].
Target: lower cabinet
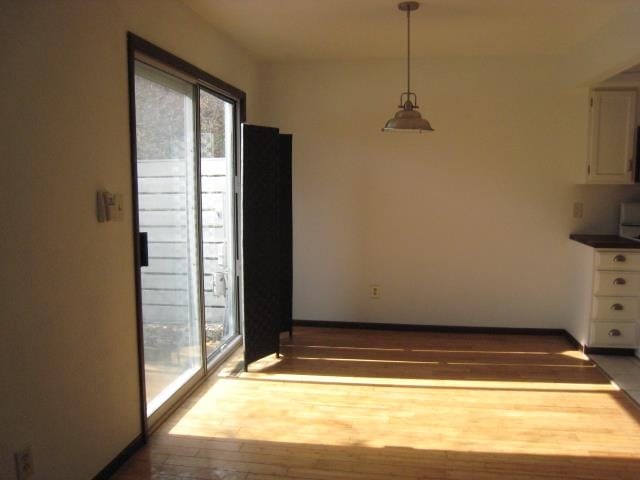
[606,297]
[613,334]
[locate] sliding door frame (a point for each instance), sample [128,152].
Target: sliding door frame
[140,49]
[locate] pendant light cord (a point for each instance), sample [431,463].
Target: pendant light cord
[408,50]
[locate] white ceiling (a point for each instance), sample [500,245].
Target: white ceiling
[347,29]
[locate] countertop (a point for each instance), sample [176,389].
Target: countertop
[605,241]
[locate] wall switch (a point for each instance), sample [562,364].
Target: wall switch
[578,209]
[374,291]
[24,463]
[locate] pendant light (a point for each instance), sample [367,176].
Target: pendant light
[408,119]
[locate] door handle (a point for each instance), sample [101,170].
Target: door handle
[144,249]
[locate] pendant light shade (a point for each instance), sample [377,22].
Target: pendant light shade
[408,119]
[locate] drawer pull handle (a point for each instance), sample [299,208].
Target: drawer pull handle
[614,332]
[619,258]
[617,306]
[619,281]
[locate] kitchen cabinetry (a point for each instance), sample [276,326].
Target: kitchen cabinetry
[606,300]
[612,136]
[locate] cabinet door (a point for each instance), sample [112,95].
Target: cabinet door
[612,136]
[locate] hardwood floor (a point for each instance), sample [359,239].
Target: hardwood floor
[353,404]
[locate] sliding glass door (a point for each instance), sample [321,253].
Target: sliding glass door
[185,165]
[218,225]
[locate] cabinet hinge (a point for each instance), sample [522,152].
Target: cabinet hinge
[588,169]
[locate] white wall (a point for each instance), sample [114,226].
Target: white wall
[68,358]
[467,225]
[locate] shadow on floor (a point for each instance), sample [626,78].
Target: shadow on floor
[435,356]
[172,457]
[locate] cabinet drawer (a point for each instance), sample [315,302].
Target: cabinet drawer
[618,261]
[615,308]
[616,283]
[613,334]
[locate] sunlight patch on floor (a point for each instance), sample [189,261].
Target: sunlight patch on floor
[435,383]
[444,415]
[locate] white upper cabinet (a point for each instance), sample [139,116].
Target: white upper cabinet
[612,136]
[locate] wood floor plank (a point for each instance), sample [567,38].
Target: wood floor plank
[346,404]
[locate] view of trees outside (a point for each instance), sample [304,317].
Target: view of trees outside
[212,126]
[160,123]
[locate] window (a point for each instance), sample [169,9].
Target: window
[185,142]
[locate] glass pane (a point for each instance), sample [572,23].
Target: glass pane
[168,214]
[218,247]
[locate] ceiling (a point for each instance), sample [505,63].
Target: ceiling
[280,30]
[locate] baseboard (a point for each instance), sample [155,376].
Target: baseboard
[108,471]
[609,351]
[572,340]
[429,328]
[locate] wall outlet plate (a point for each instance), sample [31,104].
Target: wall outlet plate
[578,210]
[24,463]
[374,291]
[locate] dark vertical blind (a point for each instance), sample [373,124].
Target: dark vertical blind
[261,242]
[286,232]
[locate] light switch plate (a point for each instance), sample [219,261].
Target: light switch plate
[109,206]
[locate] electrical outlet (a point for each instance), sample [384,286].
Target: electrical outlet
[24,463]
[374,291]
[578,209]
